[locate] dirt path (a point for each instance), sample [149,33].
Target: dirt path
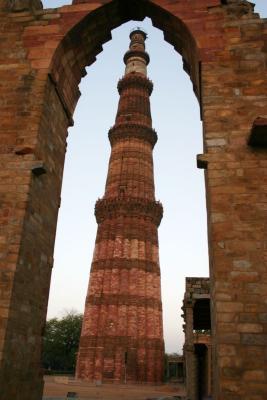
[58,387]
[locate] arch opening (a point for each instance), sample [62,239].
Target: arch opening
[175,300]
[84,41]
[80,46]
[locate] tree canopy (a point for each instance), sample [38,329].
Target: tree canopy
[61,342]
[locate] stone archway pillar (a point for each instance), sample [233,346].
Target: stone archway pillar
[189,350]
[209,372]
[32,159]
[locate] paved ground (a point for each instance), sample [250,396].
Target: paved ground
[58,387]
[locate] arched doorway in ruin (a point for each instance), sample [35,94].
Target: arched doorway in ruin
[223,47]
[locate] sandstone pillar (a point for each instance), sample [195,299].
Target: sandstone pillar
[190,358]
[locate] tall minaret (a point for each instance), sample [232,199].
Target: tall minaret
[122,338]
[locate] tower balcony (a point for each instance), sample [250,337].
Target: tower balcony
[134,80]
[132,130]
[128,206]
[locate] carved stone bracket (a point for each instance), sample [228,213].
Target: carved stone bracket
[125,131]
[135,79]
[202,161]
[128,206]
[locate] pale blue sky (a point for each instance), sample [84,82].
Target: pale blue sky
[179,184]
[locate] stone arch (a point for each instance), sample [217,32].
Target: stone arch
[38,98]
[83,42]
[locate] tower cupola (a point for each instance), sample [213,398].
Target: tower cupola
[136,58]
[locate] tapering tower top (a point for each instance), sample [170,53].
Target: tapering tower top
[136,58]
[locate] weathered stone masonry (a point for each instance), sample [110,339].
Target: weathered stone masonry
[43,54]
[197,346]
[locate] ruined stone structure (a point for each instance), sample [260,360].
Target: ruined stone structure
[43,55]
[198,346]
[122,334]
[174,368]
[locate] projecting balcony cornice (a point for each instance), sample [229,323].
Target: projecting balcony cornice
[128,206]
[135,79]
[132,130]
[136,53]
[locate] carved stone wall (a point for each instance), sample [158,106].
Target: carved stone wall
[22,5]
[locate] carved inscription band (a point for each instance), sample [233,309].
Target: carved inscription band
[106,341]
[124,263]
[124,300]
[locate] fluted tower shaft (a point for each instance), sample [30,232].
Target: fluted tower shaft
[122,336]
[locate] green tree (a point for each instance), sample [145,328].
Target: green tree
[61,342]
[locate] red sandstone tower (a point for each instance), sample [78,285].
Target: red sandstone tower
[122,336]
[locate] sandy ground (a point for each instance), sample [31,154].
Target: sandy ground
[58,387]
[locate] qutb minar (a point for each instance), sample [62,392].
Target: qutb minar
[122,334]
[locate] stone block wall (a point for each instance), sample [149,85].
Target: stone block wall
[197,288]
